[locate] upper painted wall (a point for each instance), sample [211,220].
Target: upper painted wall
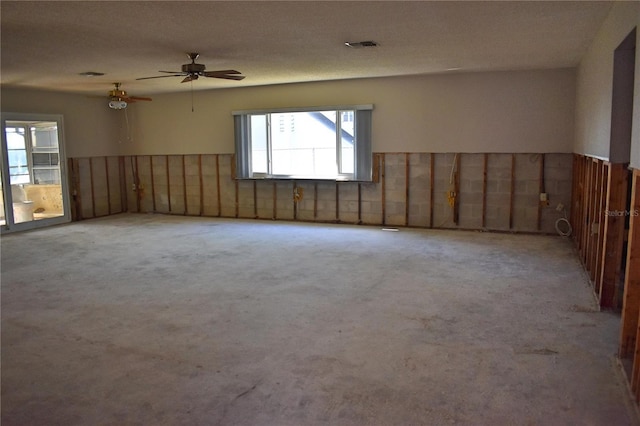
[595,82]
[90,127]
[518,111]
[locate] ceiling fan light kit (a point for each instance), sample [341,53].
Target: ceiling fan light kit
[118,99]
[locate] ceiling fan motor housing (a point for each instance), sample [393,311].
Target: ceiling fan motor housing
[193,68]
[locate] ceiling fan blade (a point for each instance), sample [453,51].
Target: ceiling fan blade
[221,72]
[173,72]
[189,78]
[225,76]
[160,76]
[139,98]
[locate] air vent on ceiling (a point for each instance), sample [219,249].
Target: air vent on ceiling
[368,43]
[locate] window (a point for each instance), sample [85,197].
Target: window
[32,151]
[324,143]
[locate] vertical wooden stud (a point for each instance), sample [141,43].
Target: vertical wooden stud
[337,203]
[631,301]
[93,193]
[512,189]
[431,190]
[201,183]
[383,187]
[315,201]
[106,170]
[168,184]
[218,184]
[255,200]
[136,179]
[613,234]
[275,201]
[456,183]
[184,185]
[541,190]
[359,203]
[485,163]
[407,174]
[235,185]
[153,185]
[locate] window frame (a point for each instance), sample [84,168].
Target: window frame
[363,158]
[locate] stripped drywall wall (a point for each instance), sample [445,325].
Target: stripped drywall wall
[434,190]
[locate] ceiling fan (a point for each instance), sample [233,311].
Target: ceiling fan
[192,71]
[118,99]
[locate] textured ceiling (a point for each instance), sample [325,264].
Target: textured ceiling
[47,44]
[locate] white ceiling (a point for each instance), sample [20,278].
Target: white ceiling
[47,44]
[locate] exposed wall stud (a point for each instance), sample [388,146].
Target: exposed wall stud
[383,188]
[315,201]
[168,184]
[275,201]
[456,201]
[124,200]
[613,234]
[512,189]
[431,189]
[153,185]
[542,190]
[201,188]
[218,184]
[93,193]
[235,185]
[485,163]
[337,203]
[184,185]
[255,199]
[136,182]
[407,174]
[106,170]
[631,302]
[359,204]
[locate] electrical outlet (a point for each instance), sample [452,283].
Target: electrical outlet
[133,187]
[543,197]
